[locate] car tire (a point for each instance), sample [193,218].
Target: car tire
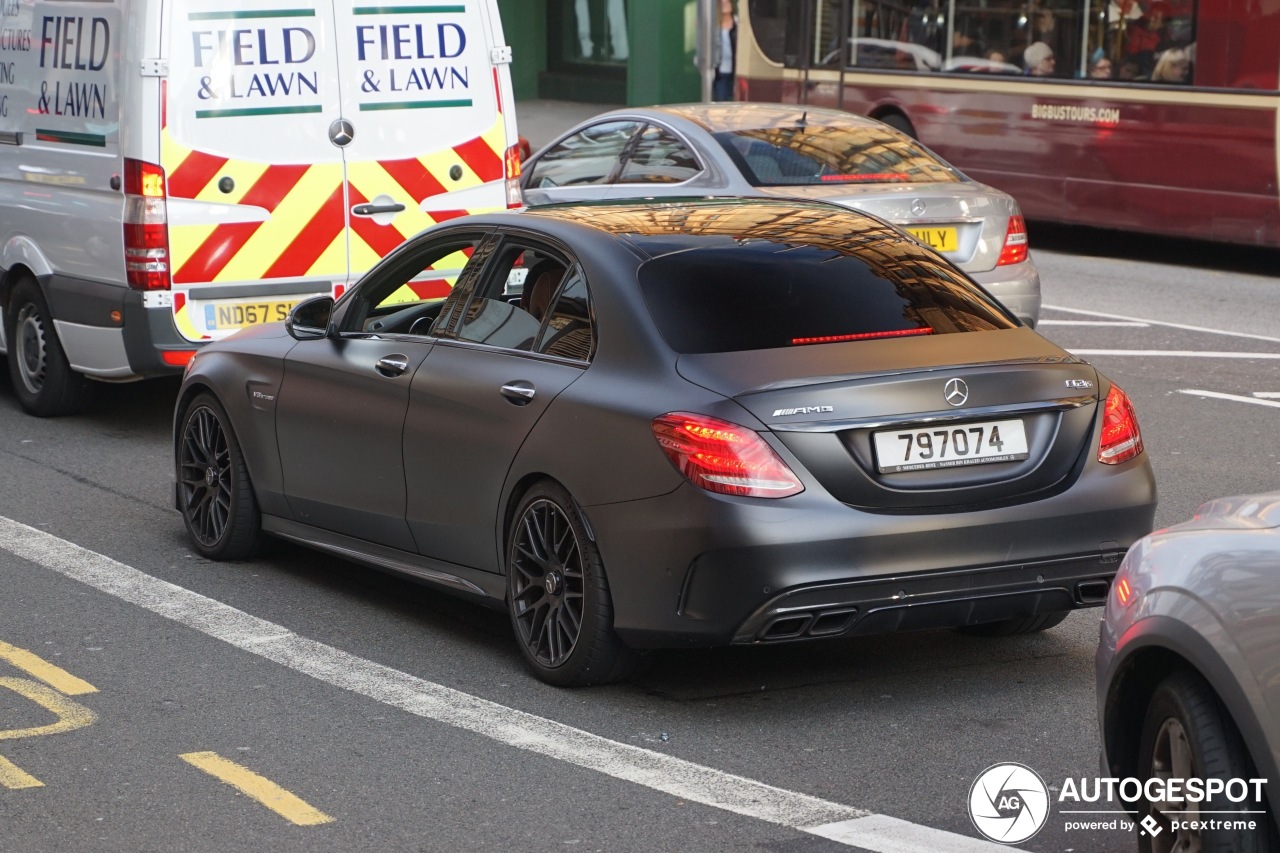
[900,123]
[1013,627]
[215,494]
[558,595]
[1187,733]
[42,378]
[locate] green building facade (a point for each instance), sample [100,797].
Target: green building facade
[603,51]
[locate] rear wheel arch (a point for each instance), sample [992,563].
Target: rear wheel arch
[897,119]
[1127,701]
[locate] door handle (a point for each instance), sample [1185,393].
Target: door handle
[519,392]
[371,209]
[393,365]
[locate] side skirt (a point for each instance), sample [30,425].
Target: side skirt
[484,587]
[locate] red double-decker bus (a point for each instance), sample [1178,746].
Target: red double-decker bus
[1161,116]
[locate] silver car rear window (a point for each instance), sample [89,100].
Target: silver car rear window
[831,155]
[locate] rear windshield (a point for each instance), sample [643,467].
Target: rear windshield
[800,155]
[766,295]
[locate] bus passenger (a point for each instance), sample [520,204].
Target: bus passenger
[1146,38]
[1039,60]
[1173,66]
[1100,68]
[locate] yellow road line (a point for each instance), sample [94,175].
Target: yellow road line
[271,795]
[71,715]
[57,678]
[15,778]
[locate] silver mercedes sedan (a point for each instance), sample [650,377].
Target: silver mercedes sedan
[788,151]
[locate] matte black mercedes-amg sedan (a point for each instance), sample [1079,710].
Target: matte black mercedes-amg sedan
[694,422]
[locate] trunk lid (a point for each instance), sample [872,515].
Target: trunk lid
[827,403]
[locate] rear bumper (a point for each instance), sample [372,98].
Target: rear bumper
[695,569]
[1017,286]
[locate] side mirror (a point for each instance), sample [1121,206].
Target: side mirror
[309,319]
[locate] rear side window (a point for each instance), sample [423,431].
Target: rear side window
[658,157]
[767,295]
[590,156]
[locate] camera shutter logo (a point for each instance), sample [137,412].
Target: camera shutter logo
[1009,803]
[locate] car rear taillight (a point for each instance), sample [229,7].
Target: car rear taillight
[512,167]
[146,226]
[723,457]
[1015,242]
[1121,439]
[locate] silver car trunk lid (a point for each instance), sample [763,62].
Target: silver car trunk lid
[827,404]
[966,222]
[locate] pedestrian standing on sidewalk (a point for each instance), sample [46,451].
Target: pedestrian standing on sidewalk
[724,46]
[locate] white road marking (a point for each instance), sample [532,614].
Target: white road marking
[1162,323]
[654,770]
[1127,323]
[890,835]
[1267,395]
[1218,395]
[1177,353]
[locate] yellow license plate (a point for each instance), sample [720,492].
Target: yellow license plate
[240,314]
[942,239]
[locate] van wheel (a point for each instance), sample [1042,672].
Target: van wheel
[1014,627]
[214,493]
[558,596]
[43,380]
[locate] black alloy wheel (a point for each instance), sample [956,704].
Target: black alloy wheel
[558,596]
[215,495]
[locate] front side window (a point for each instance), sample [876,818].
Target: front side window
[408,293]
[591,156]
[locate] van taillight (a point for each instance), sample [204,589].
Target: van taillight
[1015,242]
[146,226]
[512,168]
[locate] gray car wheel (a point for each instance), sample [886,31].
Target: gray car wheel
[214,492]
[1187,734]
[558,595]
[43,380]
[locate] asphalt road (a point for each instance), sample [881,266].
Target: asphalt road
[360,711]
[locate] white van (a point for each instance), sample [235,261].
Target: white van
[174,170]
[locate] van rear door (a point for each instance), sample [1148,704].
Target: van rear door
[424,101]
[256,192]
[303,142]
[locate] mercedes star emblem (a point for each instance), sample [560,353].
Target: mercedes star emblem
[341,132]
[956,392]
[918,207]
